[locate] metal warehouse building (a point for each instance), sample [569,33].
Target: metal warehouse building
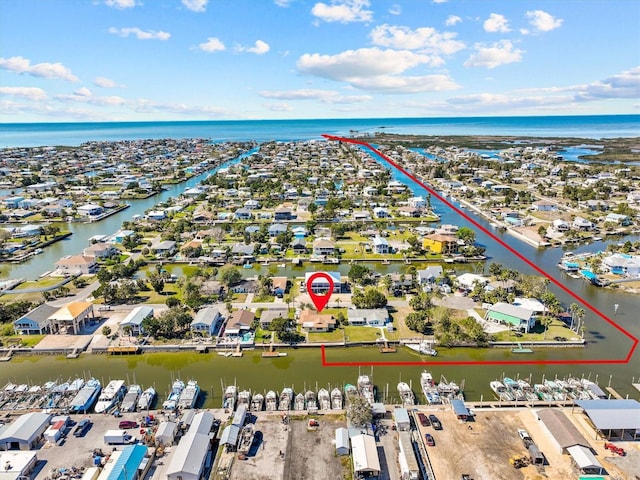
[613,419]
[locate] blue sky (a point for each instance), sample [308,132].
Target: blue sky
[130,60]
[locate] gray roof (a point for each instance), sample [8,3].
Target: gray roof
[230,435]
[25,427]
[268,315]
[368,314]
[565,433]
[612,414]
[206,316]
[512,310]
[189,456]
[202,423]
[137,316]
[459,407]
[429,272]
[40,314]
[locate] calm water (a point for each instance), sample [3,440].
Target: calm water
[303,368]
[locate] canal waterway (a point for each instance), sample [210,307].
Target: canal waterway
[303,368]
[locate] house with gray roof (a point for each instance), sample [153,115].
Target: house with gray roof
[207,321]
[375,317]
[135,319]
[36,322]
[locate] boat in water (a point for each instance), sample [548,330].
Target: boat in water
[324,399]
[310,401]
[366,389]
[130,401]
[298,403]
[244,398]
[449,390]
[246,439]
[429,389]
[271,401]
[336,399]
[514,387]
[257,402]
[189,395]
[172,400]
[86,397]
[145,402]
[229,398]
[406,395]
[527,389]
[286,399]
[425,347]
[502,392]
[110,396]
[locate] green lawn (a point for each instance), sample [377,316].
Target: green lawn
[362,334]
[326,337]
[151,296]
[556,329]
[26,340]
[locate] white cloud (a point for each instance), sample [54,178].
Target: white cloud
[425,39]
[325,96]
[439,1]
[496,23]
[212,44]
[104,82]
[195,5]
[140,34]
[278,107]
[344,11]
[623,85]
[150,106]
[282,3]
[494,55]
[120,4]
[84,95]
[406,84]
[543,21]
[83,92]
[45,70]
[260,48]
[30,93]
[452,20]
[395,9]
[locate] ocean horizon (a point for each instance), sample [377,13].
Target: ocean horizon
[76,133]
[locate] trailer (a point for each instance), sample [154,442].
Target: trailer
[117,437]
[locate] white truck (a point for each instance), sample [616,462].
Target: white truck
[117,437]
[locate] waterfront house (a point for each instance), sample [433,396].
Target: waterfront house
[299,246]
[312,321]
[279,286]
[618,219]
[36,322]
[467,281]
[100,250]
[516,317]
[560,225]
[243,214]
[381,212]
[269,315]
[245,286]
[320,285]
[90,210]
[72,316]
[323,246]
[156,215]
[544,206]
[410,212]
[276,229]
[165,248]
[238,323]
[417,202]
[299,231]
[622,264]
[429,275]
[134,320]
[438,243]
[381,245]
[12,202]
[120,235]
[282,213]
[580,223]
[77,265]
[207,321]
[376,317]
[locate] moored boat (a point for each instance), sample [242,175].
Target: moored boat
[406,395]
[189,395]
[110,396]
[514,387]
[366,389]
[310,401]
[257,402]
[271,401]
[244,398]
[145,402]
[130,401]
[429,389]
[298,403]
[172,400]
[324,399]
[229,398]
[336,399]
[503,394]
[86,397]
[286,399]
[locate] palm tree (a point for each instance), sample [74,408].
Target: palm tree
[573,308]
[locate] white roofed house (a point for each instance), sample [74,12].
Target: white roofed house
[100,250]
[619,219]
[90,210]
[377,317]
[206,321]
[134,320]
[429,274]
[77,265]
[381,245]
[582,224]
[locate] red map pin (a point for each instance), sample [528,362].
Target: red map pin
[320,301]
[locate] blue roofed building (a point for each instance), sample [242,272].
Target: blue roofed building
[128,463]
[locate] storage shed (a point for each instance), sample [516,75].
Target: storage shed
[613,419]
[409,468]
[188,458]
[401,417]
[25,432]
[460,409]
[166,433]
[240,416]
[342,441]
[128,464]
[563,433]
[229,438]
[585,460]
[365,455]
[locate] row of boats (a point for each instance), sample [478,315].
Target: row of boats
[80,396]
[510,390]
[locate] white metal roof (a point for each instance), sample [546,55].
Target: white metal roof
[583,457]
[365,454]
[189,456]
[25,427]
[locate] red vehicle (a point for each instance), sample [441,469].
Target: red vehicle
[125,424]
[424,420]
[429,439]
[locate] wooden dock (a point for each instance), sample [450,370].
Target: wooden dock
[7,357]
[613,393]
[636,386]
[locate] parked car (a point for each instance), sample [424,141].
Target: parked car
[82,427]
[424,420]
[429,439]
[435,422]
[125,424]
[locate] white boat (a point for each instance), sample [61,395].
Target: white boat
[286,399]
[336,399]
[229,399]
[324,399]
[257,402]
[514,388]
[172,400]
[145,402]
[425,347]
[86,397]
[298,403]
[244,398]
[429,389]
[271,401]
[366,389]
[246,439]
[310,401]
[110,396]
[406,395]
[130,401]
[501,391]
[528,390]
[189,395]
